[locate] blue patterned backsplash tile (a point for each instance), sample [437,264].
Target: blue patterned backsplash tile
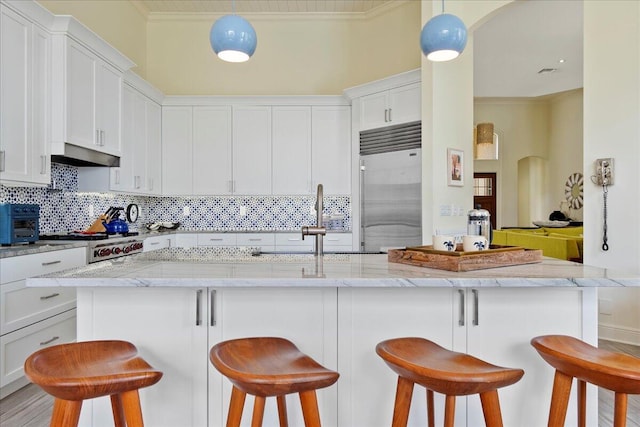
[63,208]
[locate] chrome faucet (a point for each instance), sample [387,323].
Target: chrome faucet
[318,230]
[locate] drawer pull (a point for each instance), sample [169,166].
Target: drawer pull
[215,240]
[154,243]
[255,240]
[49,341]
[50,296]
[44,264]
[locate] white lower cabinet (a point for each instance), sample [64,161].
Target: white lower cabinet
[217,239]
[155,243]
[174,329]
[265,241]
[33,318]
[161,322]
[368,316]
[499,326]
[293,242]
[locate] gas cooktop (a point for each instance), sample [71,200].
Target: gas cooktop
[85,236]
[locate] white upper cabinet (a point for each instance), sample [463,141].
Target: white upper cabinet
[212,153]
[391,107]
[291,150]
[25,54]
[139,170]
[257,146]
[154,148]
[87,82]
[93,101]
[252,149]
[177,150]
[331,149]
[196,150]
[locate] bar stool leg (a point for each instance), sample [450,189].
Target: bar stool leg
[582,403]
[118,411]
[310,412]
[491,408]
[559,399]
[282,411]
[235,407]
[132,410]
[258,411]
[66,413]
[620,410]
[431,419]
[404,392]
[449,410]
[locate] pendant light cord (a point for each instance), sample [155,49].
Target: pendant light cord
[442,6]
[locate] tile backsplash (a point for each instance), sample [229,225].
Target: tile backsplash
[64,208]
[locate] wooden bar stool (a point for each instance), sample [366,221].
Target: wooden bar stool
[265,367]
[74,372]
[573,358]
[420,361]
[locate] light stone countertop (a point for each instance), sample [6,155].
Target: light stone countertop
[227,267]
[38,247]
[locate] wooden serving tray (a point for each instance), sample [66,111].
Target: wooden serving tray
[458,260]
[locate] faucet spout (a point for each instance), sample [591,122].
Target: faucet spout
[318,231]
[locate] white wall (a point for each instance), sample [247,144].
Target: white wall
[612,129]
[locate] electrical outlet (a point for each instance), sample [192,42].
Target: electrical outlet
[605,306]
[186,211]
[604,171]
[243,210]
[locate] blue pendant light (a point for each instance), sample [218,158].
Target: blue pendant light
[444,37]
[233,38]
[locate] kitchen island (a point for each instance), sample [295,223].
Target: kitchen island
[174,304]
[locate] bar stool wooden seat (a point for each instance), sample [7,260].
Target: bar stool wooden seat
[420,361]
[573,358]
[265,367]
[84,370]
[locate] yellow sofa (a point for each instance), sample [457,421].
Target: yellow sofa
[563,243]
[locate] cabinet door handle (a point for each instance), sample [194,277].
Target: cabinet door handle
[386,113]
[476,314]
[198,301]
[45,264]
[1,160]
[97,136]
[213,308]
[49,341]
[390,114]
[43,164]
[46,297]
[150,184]
[461,311]
[102,138]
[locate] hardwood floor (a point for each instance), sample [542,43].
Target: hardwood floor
[31,407]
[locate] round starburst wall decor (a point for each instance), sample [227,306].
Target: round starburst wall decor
[573,190]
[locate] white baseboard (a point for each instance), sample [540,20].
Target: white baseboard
[618,334]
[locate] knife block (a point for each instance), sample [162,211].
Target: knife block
[97,226]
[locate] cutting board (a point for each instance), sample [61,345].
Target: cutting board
[458,260]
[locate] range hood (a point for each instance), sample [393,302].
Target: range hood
[81,156]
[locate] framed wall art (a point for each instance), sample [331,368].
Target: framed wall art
[455,167]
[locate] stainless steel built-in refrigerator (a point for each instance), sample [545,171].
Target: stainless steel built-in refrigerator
[391,199]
